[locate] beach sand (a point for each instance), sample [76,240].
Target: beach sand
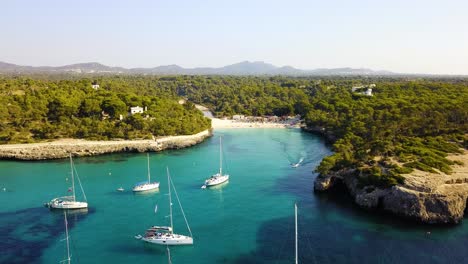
[217,123]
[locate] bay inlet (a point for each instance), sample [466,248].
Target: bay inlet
[248,220]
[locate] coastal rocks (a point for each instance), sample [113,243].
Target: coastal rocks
[426,197]
[323,183]
[426,207]
[61,148]
[322,131]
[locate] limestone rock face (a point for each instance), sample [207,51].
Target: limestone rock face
[61,148]
[426,207]
[425,197]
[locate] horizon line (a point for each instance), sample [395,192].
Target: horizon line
[388,72]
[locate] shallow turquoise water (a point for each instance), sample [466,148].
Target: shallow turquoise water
[248,220]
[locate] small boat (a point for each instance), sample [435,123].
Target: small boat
[146,185]
[164,235]
[295,165]
[69,202]
[120,189]
[217,178]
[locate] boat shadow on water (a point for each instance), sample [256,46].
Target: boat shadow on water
[25,234]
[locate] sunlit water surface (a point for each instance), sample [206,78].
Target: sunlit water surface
[248,220]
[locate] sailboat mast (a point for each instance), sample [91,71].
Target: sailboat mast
[66,234]
[169,260]
[73,177]
[147,156]
[170,199]
[295,222]
[220,157]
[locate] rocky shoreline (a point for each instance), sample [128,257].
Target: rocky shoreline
[61,148]
[425,197]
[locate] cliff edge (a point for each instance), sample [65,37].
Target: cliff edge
[426,197]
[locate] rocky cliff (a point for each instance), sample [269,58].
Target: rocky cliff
[61,148]
[426,197]
[328,135]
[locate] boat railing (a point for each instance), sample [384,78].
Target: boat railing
[64,198]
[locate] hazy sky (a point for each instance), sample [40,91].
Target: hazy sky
[408,36]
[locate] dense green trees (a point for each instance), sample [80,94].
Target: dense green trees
[406,124]
[411,123]
[41,108]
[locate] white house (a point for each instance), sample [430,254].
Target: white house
[95,86]
[137,110]
[368,92]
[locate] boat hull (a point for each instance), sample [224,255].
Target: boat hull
[173,240]
[146,187]
[67,205]
[216,180]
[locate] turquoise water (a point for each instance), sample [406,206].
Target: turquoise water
[248,220]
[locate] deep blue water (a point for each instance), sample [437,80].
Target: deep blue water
[248,220]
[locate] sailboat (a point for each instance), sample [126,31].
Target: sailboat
[146,185]
[164,235]
[217,178]
[69,202]
[68,259]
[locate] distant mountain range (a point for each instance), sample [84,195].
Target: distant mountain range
[241,68]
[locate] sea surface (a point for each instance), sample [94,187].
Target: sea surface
[248,220]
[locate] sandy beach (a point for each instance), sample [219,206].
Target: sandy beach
[61,148]
[217,123]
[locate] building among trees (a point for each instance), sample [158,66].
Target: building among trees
[137,110]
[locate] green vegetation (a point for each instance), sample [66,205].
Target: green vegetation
[257,96]
[414,123]
[34,109]
[406,125]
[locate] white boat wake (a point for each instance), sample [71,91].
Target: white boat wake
[295,165]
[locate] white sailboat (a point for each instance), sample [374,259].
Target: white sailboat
[69,202]
[164,235]
[217,178]
[146,185]
[68,259]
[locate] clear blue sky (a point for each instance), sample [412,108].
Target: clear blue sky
[409,36]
